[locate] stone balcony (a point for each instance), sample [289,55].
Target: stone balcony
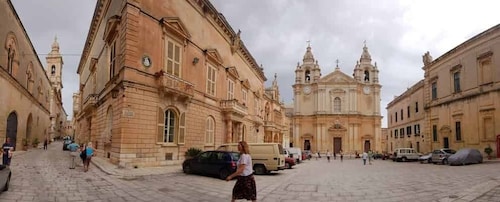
[90,102]
[233,107]
[173,86]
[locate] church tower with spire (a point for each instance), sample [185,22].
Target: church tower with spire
[54,73]
[54,66]
[337,112]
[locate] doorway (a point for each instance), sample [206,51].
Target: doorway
[12,128]
[367,145]
[446,143]
[307,145]
[337,145]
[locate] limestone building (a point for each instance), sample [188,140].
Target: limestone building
[31,108]
[158,78]
[406,116]
[276,125]
[460,90]
[336,111]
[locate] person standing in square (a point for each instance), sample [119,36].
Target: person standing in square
[7,149]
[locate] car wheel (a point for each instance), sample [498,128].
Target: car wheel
[223,173]
[6,187]
[260,170]
[288,165]
[429,160]
[404,159]
[186,169]
[445,161]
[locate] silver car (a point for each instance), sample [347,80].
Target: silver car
[441,155]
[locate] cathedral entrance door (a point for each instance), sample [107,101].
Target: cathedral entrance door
[367,145]
[337,145]
[307,145]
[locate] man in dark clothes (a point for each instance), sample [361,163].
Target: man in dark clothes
[7,148]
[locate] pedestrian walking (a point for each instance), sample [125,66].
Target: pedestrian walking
[341,156]
[334,155]
[89,152]
[370,156]
[73,153]
[83,153]
[7,149]
[45,144]
[245,187]
[364,156]
[328,156]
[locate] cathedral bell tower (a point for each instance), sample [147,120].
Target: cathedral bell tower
[54,72]
[307,75]
[54,66]
[364,71]
[366,74]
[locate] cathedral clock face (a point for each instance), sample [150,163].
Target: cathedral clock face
[366,89]
[307,89]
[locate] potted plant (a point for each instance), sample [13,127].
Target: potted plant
[25,144]
[488,150]
[35,142]
[192,152]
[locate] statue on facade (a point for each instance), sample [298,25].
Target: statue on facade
[427,58]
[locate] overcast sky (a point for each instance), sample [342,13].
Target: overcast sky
[397,34]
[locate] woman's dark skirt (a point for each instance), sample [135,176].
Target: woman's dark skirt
[245,188]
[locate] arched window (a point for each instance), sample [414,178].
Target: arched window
[367,75]
[10,59]
[308,76]
[171,126]
[209,131]
[336,104]
[53,69]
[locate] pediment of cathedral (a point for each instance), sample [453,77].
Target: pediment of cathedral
[336,127]
[337,77]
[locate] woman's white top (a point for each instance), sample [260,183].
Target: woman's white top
[247,160]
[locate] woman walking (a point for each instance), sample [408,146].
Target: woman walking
[89,151]
[245,187]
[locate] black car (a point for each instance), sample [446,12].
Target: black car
[214,163]
[5,174]
[66,143]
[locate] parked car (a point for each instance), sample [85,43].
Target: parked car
[465,156]
[213,163]
[66,142]
[289,162]
[405,154]
[441,155]
[5,174]
[425,158]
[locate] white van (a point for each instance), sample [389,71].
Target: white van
[405,154]
[266,157]
[295,153]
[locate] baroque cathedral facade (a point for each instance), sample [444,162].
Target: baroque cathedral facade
[337,111]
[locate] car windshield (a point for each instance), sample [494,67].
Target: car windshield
[449,151]
[235,155]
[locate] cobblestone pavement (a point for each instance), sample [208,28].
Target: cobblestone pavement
[44,176]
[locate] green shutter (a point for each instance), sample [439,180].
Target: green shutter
[161,125]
